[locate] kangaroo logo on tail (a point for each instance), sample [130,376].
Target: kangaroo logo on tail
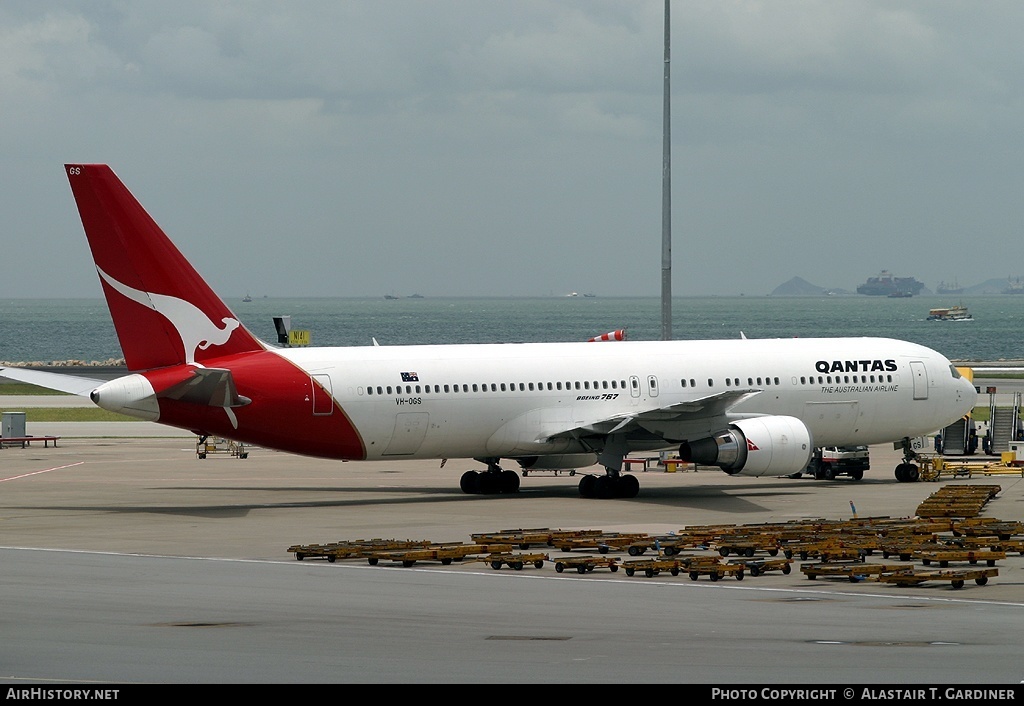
[196,330]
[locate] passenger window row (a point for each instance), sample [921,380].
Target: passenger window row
[496,387]
[610,385]
[804,380]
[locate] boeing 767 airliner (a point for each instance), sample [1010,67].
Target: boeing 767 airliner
[750,407]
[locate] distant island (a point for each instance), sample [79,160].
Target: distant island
[799,287]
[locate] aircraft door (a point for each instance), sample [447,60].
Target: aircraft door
[634,386]
[832,418]
[652,385]
[920,374]
[323,398]
[410,429]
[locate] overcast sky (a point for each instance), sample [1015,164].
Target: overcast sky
[514,148]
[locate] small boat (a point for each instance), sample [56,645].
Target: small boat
[246,298]
[953,313]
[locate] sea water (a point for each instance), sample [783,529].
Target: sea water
[46,330]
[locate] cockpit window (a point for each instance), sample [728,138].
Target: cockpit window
[956,373]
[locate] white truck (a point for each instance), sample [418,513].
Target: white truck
[831,461]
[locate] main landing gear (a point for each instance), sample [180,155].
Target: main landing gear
[611,485]
[490,482]
[908,472]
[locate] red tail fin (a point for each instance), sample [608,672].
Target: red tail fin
[163,310]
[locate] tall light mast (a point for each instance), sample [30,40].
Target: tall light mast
[666,203]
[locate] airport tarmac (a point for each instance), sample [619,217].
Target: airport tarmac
[127,559]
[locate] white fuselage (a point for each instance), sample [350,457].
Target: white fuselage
[515,399]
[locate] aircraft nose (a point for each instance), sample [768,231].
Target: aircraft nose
[968,393]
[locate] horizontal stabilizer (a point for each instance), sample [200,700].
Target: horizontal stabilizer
[213,387]
[71,384]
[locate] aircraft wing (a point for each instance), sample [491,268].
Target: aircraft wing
[697,412]
[213,387]
[71,384]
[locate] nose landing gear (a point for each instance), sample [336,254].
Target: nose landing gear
[908,472]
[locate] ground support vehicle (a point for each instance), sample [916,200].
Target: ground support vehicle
[827,549]
[523,538]
[586,564]
[603,543]
[653,567]
[913,527]
[666,545]
[444,553]
[956,577]
[356,548]
[937,467]
[716,570]
[905,549]
[514,561]
[207,445]
[990,527]
[957,501]
[747,546]
[756,567]
[854,572]
[1005,545]
[704,535]
[831,461]
[942,557]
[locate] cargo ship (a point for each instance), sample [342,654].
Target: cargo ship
[946,288]
[888,285]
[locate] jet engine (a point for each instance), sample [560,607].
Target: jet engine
[556,462]
[759,446]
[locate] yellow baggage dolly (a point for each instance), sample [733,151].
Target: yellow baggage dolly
[666,545]
[853,572]
[356,548]
[524,538]
[1007,545]
[711,566]
[653,567]
[514,561]
[586,564]
[942,557]
[716,571]
[756,567]
[748,546]
[603,543]
[444,553]
[956,577]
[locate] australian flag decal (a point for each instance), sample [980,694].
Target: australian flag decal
[410,377]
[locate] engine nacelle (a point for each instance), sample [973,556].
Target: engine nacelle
[759,446]
[556,462]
